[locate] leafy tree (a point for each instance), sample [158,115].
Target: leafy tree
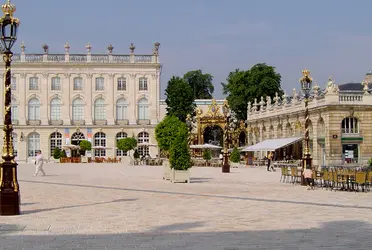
[136,154]
[57,153]
[207,155]
[127,144]
[180,100]
[200,83]
[235,155]
[63,154]
[179,155]
[244,86]
[168,129]
[85,146]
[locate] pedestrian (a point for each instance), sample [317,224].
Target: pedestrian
[269,159]
[39,162]
[308,175]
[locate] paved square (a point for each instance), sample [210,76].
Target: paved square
[111,206]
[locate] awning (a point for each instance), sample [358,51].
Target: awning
[272,144]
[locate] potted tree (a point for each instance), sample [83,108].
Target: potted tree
[235,158]
[180,160]
[63,156]
[207,156]
[57,153]
[127,144]
[84,146]
[166,132]
[136,157]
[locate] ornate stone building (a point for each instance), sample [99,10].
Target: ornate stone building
[60,99]
[340,127]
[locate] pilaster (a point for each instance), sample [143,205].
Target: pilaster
[88,87]
[110,100]
[132,108]
[44,99]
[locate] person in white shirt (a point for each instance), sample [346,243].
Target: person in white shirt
[39,162]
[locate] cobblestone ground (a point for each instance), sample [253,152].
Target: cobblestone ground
[111,206]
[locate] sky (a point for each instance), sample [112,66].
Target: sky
[330,38]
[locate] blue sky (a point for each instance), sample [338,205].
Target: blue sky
[331,38]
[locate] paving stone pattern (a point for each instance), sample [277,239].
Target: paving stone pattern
[112,206]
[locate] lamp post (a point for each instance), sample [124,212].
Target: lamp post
[9,188]
[306,82]
[189,127]
[226,113]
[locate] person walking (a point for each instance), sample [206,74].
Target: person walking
[39,162]
[269,159]
[308,175]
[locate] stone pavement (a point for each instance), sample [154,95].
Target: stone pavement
[111,206]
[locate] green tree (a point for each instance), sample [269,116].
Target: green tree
[200,83]
[235,155]
[136,154]
[207,155]
[179,155]
[180,100]
[244,86]
[57,153]
[85,146]
[127,144]
[168,129]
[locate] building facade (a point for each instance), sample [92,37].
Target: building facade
[60,99]
[340,118]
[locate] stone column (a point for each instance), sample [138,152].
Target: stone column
[66,99]
[315,154]
[110,100]
[132,108]
[22,86]
[88,112]
[44,102]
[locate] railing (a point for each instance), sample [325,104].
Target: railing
[350,98]
[143,59]
[33,58]
[350,131]
[121,58]
[56,58]
[100,58]
[78,58]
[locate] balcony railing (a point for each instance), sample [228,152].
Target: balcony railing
[33,122]
[350,98]
[55,122]
[80,122]
[122,122]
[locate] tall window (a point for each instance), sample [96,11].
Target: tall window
[121,135]
[78,110]
[121,109]
[56,83]
[143,138]
[14,110]
[122,84]
[78,83]
[14,84]
[100,144]
[77,137]
[33,83]
[55,109]
[34,109]
[143,84]
[33,142]
[15,144]
[350,125]
[143,109]
[55,142]
[99,110]
[100,84]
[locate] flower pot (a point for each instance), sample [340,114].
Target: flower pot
[84,159]
[182,176]
[235,164]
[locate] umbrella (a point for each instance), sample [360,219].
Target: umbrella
[147,144]
[205,146]
[71,147]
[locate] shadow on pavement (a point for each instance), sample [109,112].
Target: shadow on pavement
[340,235]
[200,180]
[204,195]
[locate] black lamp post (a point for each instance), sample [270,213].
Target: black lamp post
[9,188]
[306,82]
[226,163]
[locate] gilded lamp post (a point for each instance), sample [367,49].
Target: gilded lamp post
[226,113]
[306,82]
[9,188]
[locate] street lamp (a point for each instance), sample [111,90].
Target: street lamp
[189,127]
[226,113]
[306,82]
[9,188]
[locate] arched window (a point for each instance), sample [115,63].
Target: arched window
[100,84]
[143,109]
[122,84]
[350,125]
[143,138]
[77,137]
[143,84]
[14,110]
[78,83]
[78,110]
[33,143]
[56,83]
[99,110]
[15,144]
[100,144]
[33,109]
[33,83]
[121,109]
[55,142]
[121,135]
[55,109]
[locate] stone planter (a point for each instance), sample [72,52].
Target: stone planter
[56,160]
[167,171]
[84,159]
[234,164]
[182,176]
